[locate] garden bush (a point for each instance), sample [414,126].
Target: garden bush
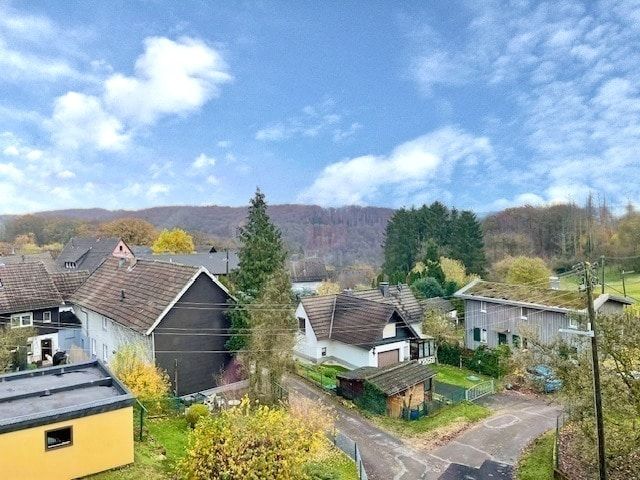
[488,361]
[195,412]
[372,400]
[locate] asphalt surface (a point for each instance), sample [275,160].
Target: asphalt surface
[488,450]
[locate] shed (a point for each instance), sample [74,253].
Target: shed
[404,385]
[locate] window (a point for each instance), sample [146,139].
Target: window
[515,340]
[22,320]
[389,330]
[524,313]
[120,247]
[93,346]
[573,322]
[60,437]
[69,264]
[502,339]
[104,323]
[46,317]
[302,325]
[483,307]
[105,353]
[323,352]
[483,335]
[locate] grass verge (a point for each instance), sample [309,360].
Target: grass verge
[536,462]
[462,414]
[324,375]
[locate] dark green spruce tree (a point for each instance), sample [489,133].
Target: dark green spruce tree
[261,254]
[467,243]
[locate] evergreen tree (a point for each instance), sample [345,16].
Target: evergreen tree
[467,243]
[401,245]
[261,253]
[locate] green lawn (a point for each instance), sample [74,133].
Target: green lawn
[465,412]
[537,461]
[457,376]
[613,282]
[337,466]
[324,375]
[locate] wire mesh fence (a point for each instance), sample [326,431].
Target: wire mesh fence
[351,449]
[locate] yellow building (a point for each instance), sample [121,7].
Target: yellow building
[64,422]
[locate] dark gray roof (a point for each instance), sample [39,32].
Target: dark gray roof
[348,319]
[400,296]
[27,286]
[308,270]
[215,263]
[86,252]
[438,304]
[47,395]
[68,282]
[149,287]
[392,379]
[45,257]
[141,250]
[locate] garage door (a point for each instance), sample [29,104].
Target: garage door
[388,358]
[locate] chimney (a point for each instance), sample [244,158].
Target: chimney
[384,288]
[554,283]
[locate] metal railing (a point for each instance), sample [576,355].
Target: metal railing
[480,390]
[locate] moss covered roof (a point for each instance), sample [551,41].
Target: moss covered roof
[567,299]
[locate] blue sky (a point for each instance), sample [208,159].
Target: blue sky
[481,105]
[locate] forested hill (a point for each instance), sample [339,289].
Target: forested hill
[341,235]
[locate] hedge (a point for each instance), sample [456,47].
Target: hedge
[491,362]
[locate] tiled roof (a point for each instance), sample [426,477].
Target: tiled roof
[215,263]
[392,379]
[27,286]
[44,257]
[400,296]
[149,288]
[86,252]
[347,318]
[308,270]
[68,282]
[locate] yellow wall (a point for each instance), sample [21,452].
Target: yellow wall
[100,442]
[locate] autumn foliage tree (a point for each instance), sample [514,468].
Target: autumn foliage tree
[133,231]
[10,340]
[173,241]
[522,271]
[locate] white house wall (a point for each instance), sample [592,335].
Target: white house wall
[36,351]
[113,337]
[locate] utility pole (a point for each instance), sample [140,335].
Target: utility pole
[602,265]
[602,466]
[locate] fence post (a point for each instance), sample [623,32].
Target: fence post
[355,451]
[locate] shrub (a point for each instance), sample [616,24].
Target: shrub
[427,287]
[449,354]
[195,412]
[146,381]
[493,362]
[252,442]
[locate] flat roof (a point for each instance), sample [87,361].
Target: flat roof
[47,395]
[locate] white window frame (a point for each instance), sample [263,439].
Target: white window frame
[46,317]
[104,323]
[323,351]
[20,320]
[483,335]
[483,306]
[522,315]
[105,353]
[94,346]
[573,323]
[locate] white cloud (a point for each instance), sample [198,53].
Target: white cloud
[223,143]
[80,120]
[11,151]
[311,122]
[171,77]
[9,171]
[212,180]
[155,190]
[408,170]
[66,175]
[203,161]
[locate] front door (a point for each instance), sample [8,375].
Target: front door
[46,348]
[388,358]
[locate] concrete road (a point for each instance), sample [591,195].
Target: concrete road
[486,451]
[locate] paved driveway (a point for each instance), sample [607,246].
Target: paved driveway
[486,451]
